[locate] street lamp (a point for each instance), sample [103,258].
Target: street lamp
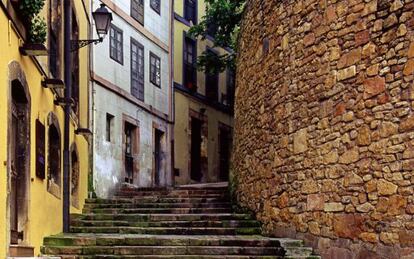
[102,18]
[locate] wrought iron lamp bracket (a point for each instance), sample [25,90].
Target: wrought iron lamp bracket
[77,44]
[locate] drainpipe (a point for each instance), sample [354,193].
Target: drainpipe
[68,95]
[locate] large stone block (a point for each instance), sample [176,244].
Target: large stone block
[348,225]
[300,141]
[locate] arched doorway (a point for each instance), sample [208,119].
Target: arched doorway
[74,176]
[54,156]
[18,154]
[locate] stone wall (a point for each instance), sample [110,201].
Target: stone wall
[324,130]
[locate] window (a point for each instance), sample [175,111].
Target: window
[54,38]
[155,70]
[231,83]
[137,70]
[212,83]
[109,126]
[74,177]
[190,56]
[155,5]
[211,28]
[137,10]
[116,46]
[53,55]
[75,65]
[190,10]
[54,156]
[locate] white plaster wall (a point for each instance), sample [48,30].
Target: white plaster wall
[108,156]
[119,74]
[156,23]
[108,166]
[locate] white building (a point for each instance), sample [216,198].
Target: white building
[132,108]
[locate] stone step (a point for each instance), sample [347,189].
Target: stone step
[205,196]
[163,250]
[201,223]
[171,192]
[154,199]
[99,256]
[159,205]
[185,222]
[170,230]
[156,210]
[162,217]
[72,239]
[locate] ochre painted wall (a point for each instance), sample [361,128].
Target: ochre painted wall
[44,209]
[185,102]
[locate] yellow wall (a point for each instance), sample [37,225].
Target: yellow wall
[183,103]
[45,210]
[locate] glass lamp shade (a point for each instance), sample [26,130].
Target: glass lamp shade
[102,19]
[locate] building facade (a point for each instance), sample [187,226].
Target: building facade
[132,97]
[324,124]
[203,105]
[31,135]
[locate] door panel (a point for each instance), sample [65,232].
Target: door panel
[196,127]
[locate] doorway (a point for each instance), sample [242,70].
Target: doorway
[129,150]
[158,156]
[19,139]
[225,144]
[196,128]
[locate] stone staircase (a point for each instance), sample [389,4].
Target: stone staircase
[194,221]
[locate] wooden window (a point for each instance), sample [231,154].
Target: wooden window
[54,37]
[156,5]
[54,155]
[74,178]
[212,83]
[137,70]
[109,127]
[116,45]
[155,69]
[137,10]
[190,10]
[211,28]
[190,57]
[40,150]
[230,87]
[75,65]
[53,55]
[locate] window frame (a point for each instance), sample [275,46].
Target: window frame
[216,77]
[109,124]
[153,80]
[185,13]
[185,61]
[158,11]
[142,76]
[119,31]
[136,17]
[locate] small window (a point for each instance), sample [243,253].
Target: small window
[53,55]
[211,28]
[54,156]
[116,44]
[155,5]
[231,86]
[137,70]
[190,10]
[190,57]
[155,69]
[109,126]
[137,10]
[212,83]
